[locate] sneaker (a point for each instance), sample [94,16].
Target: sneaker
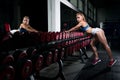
[111,63]
[96,61]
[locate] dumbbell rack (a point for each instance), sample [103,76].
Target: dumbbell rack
[44,46]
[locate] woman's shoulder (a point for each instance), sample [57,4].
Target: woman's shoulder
[21,25]
[83,23]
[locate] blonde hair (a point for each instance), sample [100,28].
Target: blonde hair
[26,17]
[80,13]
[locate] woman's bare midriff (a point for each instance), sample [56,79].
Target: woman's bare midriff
[89,30]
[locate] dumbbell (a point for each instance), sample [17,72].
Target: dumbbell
[36,58]
[23,65]
[47,55]
[7,71]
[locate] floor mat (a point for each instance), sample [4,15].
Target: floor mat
[101,71]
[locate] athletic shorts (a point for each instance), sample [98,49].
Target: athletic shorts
[94,30]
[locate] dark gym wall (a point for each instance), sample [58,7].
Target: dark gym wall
[6,11]
[110,16]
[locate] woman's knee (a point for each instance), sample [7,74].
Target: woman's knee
[92,44]
[106,45]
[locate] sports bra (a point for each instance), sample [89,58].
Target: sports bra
[22,30]
[85,28]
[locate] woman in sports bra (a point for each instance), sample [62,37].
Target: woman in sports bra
[98,35]
[25,27]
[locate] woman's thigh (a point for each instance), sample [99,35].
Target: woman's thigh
[101,37]
[94,40]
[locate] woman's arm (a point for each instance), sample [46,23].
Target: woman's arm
[74,28]
[28,28]
[32,29]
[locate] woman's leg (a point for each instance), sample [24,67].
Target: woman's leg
[94,49]
[92,43]
[101,37]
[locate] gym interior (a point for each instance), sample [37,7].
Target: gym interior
[52,53]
